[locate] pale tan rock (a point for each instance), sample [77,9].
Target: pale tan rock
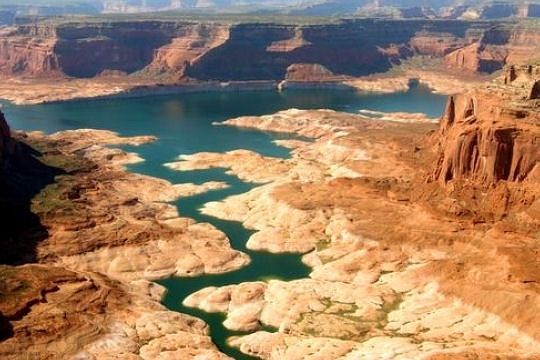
[135,202]
[397,116]
[384,85]
[204,249]
[247,165]
[242,302]
[280,228]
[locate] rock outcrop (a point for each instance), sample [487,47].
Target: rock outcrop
[185,49]
[49,312]
[502,45]
[213,51]
[27,54]
[117,228]
[492,135]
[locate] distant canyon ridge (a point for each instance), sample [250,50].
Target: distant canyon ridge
[173,50]
[449,9]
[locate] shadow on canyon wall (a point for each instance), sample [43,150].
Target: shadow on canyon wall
[349,47]
[353,48]
[22,176]
[85,52]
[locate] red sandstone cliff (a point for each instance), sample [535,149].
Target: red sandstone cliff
[186,48]
[27,55]
[493,134]
[172,50]
[211,51]
[498,47]
[309,72]
[87,50]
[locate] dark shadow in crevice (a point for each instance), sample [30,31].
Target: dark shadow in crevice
[22,176]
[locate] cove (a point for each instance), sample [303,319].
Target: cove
[183,125]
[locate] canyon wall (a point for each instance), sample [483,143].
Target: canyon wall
[500,45]
[352,48]
[88,50]
[28,52]
[210,51]
[172,50]
[21,178]
[492,134]
[5,142]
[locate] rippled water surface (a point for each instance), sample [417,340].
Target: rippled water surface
[183,125]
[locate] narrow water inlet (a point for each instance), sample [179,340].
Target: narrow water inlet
[263,266]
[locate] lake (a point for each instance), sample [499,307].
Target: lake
[183,125]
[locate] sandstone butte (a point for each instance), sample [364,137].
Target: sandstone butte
[56,60]
[422,239]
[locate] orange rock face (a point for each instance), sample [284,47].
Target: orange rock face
[497,47]
[186,49]
[437,44]
[41,305]
[22,55]
[308,72]
[212,51]
[488,137]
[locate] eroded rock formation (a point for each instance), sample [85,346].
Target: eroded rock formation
[67,203]
[120,58]
[210,51]
[422,246]
[499,46]
[49,312]
[28,53]
[491,135]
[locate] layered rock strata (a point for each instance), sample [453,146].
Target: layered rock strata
[515,44]
[50,313]
[96,59]
[212,51]
[489,135]
[137,235]
[408,261]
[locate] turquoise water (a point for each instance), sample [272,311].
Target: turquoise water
[183,125]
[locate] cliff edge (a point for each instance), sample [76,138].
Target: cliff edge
[492,134]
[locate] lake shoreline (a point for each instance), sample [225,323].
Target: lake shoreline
[39,91]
